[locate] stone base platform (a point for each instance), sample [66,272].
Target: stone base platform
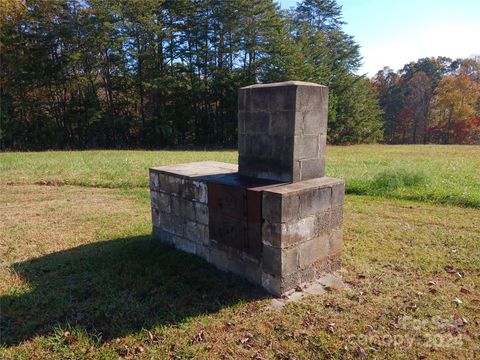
[277,235]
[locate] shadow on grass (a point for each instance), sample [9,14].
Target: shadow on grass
[115,288]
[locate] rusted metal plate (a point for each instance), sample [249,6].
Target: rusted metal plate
[228,232]
[235,212]
[227,200]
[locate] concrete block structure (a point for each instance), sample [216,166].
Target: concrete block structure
[275,219]
[282,130]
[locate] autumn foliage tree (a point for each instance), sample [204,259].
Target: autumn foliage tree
[433,100]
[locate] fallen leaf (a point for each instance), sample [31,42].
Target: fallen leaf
[431,283]
[200,336]
[69,338]
[449,269]
[331,327]
[433,290]
[464,290]
[140,349]
[246,338]
[361,353]
[413,307]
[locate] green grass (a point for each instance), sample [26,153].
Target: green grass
[81,278]
[430,173]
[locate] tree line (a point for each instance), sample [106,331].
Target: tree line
[79,74]
[160,73]
[432,100]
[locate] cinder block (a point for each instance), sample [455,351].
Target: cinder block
[164,202]
[272,260]
[314,201]
[312,97]
[314,122]
[200,191]
[162,235]
[306,147]
[201,213]
[272,207]
[279,285]
[155,216]
[338,193]
[272,234]
[258,146]
[170,184]
[336,217]
[277,261]
[256,122]
[313,250]
[283,235]
[335,241]
[312,168]
[171,223]
[183,208]
[323,222]
[195,232]
[185,245]
[154,182]
[298,232]
[284,123]
[280,208]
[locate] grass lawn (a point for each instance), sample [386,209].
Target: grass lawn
[82,279]
[434,173]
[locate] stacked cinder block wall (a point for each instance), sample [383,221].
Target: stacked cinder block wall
[282,130]
[302,232]
[275,219]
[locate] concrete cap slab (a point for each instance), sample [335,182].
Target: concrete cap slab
[284,83]
[196,169]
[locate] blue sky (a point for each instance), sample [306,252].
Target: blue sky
[395,32]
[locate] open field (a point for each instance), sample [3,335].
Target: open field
[82,279]
[434,173]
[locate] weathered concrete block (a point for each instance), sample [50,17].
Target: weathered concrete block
[338,193]
[199,191]
[277,235]
[335,241]
[154,181]
[336,217]
[315,201]
[277,261]
[313,250]
[201,213]
[307,147]
[162,235]
[314,122]
[185,244]
[256,122]
[196,232]
[284,123]
[294,110]
[311,168]
[173,224]
[283,235]
[277,208]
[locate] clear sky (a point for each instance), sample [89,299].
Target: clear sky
[395,32]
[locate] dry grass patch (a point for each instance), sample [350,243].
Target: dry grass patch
[83,280]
